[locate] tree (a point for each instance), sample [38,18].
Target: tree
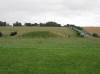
[17,24]
[3,23]
[35,24]
[42,24]
[69,25]
[31,24]
[80,28]
[27,24]
[53,24]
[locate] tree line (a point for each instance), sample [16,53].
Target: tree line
[16,24]
[3,23]
[72,25]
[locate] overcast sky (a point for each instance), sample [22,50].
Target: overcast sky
[79,12]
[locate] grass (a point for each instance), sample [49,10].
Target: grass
[62,31]
[40,34]
[49,56]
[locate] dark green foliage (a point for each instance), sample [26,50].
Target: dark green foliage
[53,24]
[48,24]
[40,34]
[73,26]
[30,24]
[13,33]
[3,23]
[80,28]
[95,35]
[79,34]
[27,24]
[42,24]
[17,24]
[36,24]
[1,34]
[69,25]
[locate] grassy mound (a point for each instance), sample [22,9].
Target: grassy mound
[40,34]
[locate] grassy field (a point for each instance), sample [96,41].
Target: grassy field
[22,30]
[92,30]
[65,55]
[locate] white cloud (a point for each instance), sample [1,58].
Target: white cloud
[79,12]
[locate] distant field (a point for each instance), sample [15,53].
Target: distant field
[92,30]
[65,55]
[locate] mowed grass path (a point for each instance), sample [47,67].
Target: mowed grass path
[49,56]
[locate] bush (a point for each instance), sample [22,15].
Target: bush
[13,33]
[95,35]
[1,34]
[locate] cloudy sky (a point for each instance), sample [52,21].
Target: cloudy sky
[79,12]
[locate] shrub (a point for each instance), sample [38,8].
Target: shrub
[95,35]
[13,33]
[1,34]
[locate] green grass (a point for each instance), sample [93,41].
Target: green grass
[49,56]
[40,34]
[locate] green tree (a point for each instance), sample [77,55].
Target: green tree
[3,23]
[17,24]
[53,24]
[27,24]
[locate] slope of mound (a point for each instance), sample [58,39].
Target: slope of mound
[40,34]
[62,31]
